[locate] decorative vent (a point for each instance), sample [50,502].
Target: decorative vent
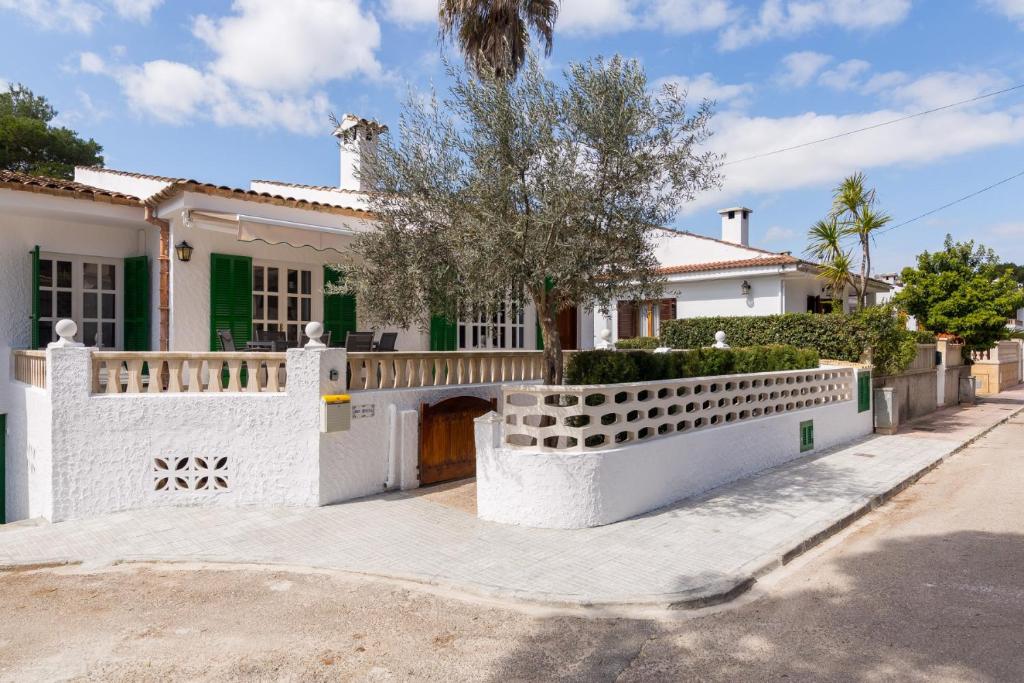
[197,473]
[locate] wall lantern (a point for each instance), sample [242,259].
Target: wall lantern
[745,288]
[184,251]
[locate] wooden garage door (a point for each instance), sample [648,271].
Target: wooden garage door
[447,443]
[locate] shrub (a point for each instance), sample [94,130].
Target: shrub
[924,337]
[840,336]
[616,367]
[649,343]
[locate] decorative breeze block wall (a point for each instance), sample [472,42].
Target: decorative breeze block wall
[191,473]
[596,417]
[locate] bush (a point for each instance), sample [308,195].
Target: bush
[924,337]
[649,343]
[616,367]
[839,336]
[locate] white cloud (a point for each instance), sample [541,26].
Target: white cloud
[944,87]
[788,18]
[269,59]
[690,16]
[777,233]
[137,10]
[1011,229]
[78,15]
[64,15]
[595,16]
[801,67]
[845,76]
[922,140]
[408,12]
[91,63]
[1011,9]
[884,82]
[704,86]
[275,45]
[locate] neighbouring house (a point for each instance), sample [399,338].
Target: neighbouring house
[707,276]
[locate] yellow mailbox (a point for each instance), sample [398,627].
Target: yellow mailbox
[335,413]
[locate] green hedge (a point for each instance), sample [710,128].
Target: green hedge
[924,337]
[840,336]
[616,367]
[649,343]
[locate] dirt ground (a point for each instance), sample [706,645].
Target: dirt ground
[930,588]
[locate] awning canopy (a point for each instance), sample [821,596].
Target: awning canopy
[274,231]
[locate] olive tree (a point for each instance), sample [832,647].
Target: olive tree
[528,190]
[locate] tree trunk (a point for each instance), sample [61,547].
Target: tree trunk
[861,293]
[552,343]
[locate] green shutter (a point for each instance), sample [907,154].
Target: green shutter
[34,314]
[444,334]
[339,309]
[863,392]
[806,436]
[230,298]
[136,304]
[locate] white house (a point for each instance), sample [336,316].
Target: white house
[706,276]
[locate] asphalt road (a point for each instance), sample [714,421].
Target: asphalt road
[929,588]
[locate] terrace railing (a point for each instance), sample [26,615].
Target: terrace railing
[368,371]
[161,372]
[597,417]
[30,367]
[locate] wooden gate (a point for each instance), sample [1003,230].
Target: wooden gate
[447,442]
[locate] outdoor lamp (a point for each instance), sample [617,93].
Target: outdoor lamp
[184,251]
[745,287]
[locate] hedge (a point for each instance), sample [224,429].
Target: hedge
[840,336]
[616,367]
[649,343]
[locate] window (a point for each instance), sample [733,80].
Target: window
[282,299]
[504,329]
[85,289]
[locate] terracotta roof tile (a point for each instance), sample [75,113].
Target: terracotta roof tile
[130,174]
[775,260]
[180,186]
[59,187]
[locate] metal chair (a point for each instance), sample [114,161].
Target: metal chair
[227,341]
[356,342]
[387,341]
[326,338]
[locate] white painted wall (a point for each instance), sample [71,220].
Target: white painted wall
[62,225]
[702,298]
[29,464]
[674,248]
[578,490]
[119,182]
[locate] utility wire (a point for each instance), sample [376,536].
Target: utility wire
[955,201]
[872,127]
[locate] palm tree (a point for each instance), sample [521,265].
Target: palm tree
[825,245]
[853,206]
[494,34]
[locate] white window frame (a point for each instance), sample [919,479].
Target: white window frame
[78,291]
[503,329]
[282,322]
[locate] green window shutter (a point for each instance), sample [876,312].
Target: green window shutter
[34,314]
[864,392]
[136,304]
[806,436]
[339,309]
[443,334]
[3,470]
[230,298]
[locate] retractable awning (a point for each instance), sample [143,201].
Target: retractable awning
[275,231]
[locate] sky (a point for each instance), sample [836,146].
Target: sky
[226,92]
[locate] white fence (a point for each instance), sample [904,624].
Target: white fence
[587,418]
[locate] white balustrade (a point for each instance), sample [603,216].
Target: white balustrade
[597,417]
[137,372]
[399,370]
[30,367]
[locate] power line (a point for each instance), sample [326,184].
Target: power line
[955,201]
[872,127]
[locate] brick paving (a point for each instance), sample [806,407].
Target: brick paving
[686,554]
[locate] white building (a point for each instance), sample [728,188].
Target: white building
[706,276]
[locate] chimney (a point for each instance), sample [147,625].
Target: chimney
[736,225]
[357,137]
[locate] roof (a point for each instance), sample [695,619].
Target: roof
[325,188]
[773,260]
[181,186]
[129,174]
[58,187]
[715,239]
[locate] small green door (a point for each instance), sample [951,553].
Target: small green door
[339,309]
[443,334]
[864,392]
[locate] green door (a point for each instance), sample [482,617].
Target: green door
[339,309]
[444,334]
[230,298]
[136,304]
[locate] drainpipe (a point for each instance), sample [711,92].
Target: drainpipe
[165,276]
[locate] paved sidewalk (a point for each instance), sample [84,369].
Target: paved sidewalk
[697,552]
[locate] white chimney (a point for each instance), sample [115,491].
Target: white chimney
[356,138]
[736,225]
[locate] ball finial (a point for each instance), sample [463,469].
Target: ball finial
[720,340]
[314,331]
[66,329]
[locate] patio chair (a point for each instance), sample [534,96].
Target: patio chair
[227,341]
[277,339]
[326,338]
[356,342]
[387,341]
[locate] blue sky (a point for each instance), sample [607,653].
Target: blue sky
[230,91]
